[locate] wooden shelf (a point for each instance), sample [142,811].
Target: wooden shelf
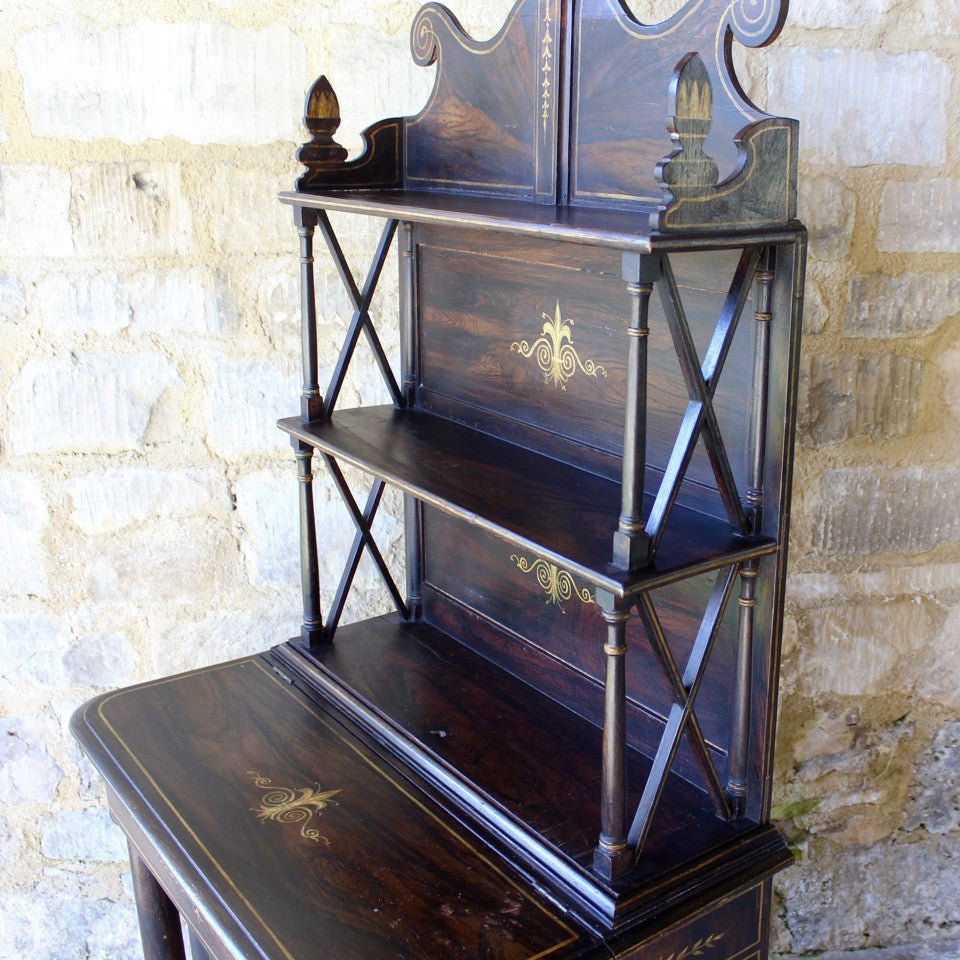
[559,511]
[527,766]
[621,229]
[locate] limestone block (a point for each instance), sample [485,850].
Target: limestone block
[814,309]
[828,209]
[244,401]
[844,396]
[120,209]
[818,14]
[204,81]
[224,634]
[23,518]
[13,297]
[28,773]
[110,300]
[869,510]
[861,649]
[940,670]
[82,835]
[888,893]
[87,403]
[163,562]
[244,214]
[101,660]
[267,515]
[920,216]
[935,794]
[32,645]
[25,191]
[907,305]
[109,500]
[859,107]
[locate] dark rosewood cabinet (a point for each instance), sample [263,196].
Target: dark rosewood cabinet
[592,426]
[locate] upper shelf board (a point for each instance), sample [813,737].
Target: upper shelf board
[575,102]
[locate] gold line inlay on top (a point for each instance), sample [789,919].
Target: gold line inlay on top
[555,353]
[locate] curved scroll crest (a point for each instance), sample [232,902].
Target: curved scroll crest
[755,23]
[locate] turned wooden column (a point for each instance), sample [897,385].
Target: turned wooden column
[311,402]
[311,631]
[631,543]
[612,856]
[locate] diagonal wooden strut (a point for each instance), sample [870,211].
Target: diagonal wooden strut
[363,538]
[682,709]
[361,300]
[701,382]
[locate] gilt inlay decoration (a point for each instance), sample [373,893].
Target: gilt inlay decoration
[696,949]
[555,353]
[293,806]
[555,582]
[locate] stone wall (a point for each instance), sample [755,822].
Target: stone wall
[148,322]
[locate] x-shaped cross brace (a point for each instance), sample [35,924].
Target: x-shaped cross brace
[701,381]
[361,300]
[681,718]
[363,538]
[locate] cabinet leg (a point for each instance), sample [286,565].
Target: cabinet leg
[740,718]
[159,919]
[612,856]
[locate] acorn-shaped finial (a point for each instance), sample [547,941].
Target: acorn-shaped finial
[322,118]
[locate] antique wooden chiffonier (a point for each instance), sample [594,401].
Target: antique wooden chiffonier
[560,743]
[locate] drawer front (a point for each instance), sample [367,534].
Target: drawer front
[734,929]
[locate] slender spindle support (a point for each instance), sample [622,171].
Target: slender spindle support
[631,544]
[159,919]
[761,389]
[737,781]
[311,402]
[312,631]
[612,856]
[740,718]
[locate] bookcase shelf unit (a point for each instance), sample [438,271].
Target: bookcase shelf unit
[601,281]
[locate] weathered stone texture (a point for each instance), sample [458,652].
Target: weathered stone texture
[90,403]
[891,892]
[130,209]
[907,305]
[828,209]
[82,835]
[28,774]
[244,401]
[244,214]
[814,14]
[25,190]
[165,301]
[935,800]
[206,82]
[23,518]
[861,649]
[860,107]
[867,510]
[849,396]
[109,500]
[920,216]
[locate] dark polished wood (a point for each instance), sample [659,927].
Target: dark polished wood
[160,931]
[560,744]
[532,501]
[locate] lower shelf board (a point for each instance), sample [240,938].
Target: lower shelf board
[522,767]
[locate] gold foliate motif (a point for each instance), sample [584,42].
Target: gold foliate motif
[555,582]
[292,806]
[554,352]
[696,949]
[546,62]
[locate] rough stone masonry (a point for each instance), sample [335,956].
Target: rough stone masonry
[148,322]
